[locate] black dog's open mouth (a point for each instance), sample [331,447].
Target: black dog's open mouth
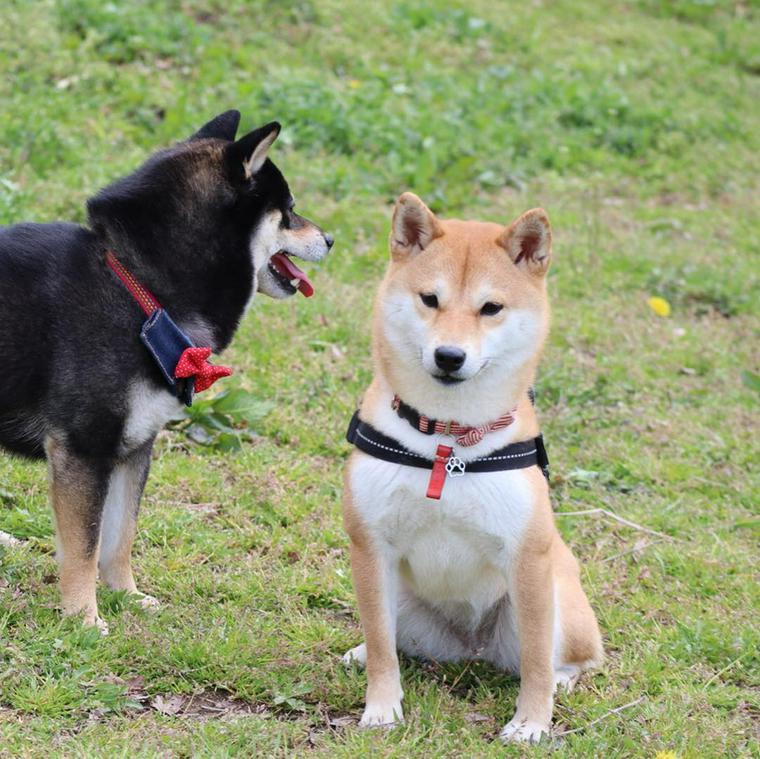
[289,276]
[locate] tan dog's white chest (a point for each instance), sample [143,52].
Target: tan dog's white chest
[458,548]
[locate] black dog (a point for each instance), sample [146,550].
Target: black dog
[201,226]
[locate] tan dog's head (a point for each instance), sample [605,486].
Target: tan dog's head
[462,312]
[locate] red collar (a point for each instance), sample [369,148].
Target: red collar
[171,348]
[144,297]
[464,435]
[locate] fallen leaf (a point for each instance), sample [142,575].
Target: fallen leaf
[659,305]
[135,684]
[170,705]
[341,721]
[474,717]
[582,475]
[640,545]
[96,715]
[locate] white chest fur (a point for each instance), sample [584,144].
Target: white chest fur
[148,410]
[456,549]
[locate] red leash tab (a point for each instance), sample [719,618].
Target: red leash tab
[438,475]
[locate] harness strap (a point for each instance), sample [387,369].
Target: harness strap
[514,456]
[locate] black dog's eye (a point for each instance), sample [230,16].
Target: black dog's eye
[490,309]
[430,300]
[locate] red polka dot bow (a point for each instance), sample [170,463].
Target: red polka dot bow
[194,363]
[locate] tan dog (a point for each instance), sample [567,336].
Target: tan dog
[481,573]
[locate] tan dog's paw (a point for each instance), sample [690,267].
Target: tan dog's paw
[94,620]
[356,657]
[382,715]
[102,625]
[565,678]
[89,619]
[524,731]
[7,540]
[149,603]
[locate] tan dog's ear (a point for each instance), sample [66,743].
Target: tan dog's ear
[528,241]
[414,226]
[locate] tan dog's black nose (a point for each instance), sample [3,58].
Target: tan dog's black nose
[329,240]
[449,358]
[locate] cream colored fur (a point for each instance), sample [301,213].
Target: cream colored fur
[482,573]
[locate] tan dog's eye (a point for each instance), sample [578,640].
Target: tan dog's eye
[430,300]
[491,309]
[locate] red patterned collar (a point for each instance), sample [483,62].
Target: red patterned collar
[464,435]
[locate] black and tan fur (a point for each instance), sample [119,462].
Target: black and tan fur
[197,224]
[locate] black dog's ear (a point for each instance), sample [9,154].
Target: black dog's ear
[223,127]
[251,151]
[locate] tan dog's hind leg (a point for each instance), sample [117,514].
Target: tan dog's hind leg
[77,489]
[580,647]
[120,522]
[376,584]
[533,595]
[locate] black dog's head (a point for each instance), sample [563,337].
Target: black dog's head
[210,197]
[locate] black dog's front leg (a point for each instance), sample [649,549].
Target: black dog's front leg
[78,488]
[119,522]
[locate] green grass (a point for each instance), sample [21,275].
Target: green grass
[635,124]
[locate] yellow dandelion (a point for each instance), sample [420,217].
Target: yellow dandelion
[662,308]
[666,754]
[354,84]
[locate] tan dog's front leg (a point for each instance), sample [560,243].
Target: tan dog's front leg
[375,576]
[534,606]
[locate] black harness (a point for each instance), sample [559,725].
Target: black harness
[514,456]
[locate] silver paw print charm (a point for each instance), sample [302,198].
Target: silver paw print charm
[455,466]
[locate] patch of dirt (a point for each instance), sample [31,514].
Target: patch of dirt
[205,705]
[208,704]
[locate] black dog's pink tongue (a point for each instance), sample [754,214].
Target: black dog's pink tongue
[288,269]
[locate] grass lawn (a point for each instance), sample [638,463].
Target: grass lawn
[635,124]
